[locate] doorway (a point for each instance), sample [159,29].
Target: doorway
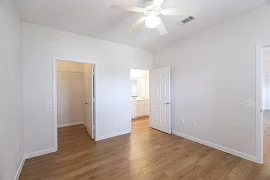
[155,103]
[139,94]
[262,101]
[73,96]
[266,104]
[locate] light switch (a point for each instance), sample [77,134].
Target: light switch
[49,104]
[249,103]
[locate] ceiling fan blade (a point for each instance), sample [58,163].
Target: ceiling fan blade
[127,8]
[179,12]
[136,24]
[158,2]
[161,28]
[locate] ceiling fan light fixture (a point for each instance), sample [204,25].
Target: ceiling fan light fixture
[152,10]
[152,22]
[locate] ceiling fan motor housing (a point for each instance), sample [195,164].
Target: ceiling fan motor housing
[151,9]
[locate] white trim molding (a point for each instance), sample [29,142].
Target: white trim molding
[88,128]
[113,135]
[69,124]
[39,153]
[84,123]
[216,146]
[31,155]
[54,85]
[259,101]
[17,175]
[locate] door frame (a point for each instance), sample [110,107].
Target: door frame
[54,99]
[259,101]
[138,68]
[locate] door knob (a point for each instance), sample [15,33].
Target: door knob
[168,103]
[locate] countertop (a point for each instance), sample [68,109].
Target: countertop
[138,99]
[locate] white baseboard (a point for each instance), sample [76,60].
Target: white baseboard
[17,175]
[88,128]
[31,155]
[113,135]
[84,123]
[39,153]
[216,146]
[69,124]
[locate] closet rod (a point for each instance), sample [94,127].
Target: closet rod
[70,72]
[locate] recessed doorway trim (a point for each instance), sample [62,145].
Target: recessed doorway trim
[55,135]
[259,101]
[136,68]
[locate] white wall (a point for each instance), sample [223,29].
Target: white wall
[266,60]
[113,62]
[266,53]
[70,93]
[69,66]
[212,73]
[266,66]
[11,126]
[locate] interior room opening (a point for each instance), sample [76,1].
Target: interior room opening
[75,97]
[139,95]
[266,103]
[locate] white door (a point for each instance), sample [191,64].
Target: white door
[160,105]
[89,82]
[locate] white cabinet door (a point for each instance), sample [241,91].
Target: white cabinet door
[144,108]
[139,111]
[139,108]
[160,113]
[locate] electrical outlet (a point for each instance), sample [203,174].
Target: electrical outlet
[183,121]
[194,123]
[249,103]
[18,146]
[49,104]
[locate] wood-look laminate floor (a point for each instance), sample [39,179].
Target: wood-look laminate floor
[145,154]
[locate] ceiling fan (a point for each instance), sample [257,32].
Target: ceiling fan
[152,10]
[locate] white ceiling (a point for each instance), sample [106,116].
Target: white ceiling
[95,19]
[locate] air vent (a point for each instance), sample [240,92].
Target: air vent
[190,18]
